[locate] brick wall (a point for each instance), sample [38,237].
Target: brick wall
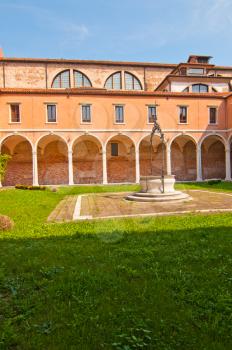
[120,169]
[87,171]
[19,167]
[145,159]
[213,161]
[183,161]
[87,162]
[53,164]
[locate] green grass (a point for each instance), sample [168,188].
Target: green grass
[150,283]
[221,186]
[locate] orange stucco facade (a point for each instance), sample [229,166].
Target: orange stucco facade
[72,150]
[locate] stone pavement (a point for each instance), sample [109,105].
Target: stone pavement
[64,210]
[114,205]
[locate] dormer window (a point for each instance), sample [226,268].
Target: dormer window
[195,71]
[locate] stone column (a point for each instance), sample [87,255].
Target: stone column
[199,164]
[168,159]
[228,164]
[137,167]
[70,167]
[104,166]
[35,168]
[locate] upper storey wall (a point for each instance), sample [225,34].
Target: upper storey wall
[23,75]
[41,75]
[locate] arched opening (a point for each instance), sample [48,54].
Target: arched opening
[87,160]
[120,152]
[183,158]
[52,160]
[19,167]
[151,164]
[213,158]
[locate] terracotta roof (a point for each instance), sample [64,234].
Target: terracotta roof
[97,62]
[105,92]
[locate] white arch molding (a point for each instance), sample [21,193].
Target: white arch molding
[86,134]
[16,134]
[223,139]
[183,134]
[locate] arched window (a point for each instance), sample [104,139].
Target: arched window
[114,82]
[131,82]
[81,80]
[186,89]
[62,80]
[200,88]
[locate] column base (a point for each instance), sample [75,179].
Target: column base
[199,179]
[228,179]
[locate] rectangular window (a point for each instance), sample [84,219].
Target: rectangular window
[183,114]
[151,114]
[114,149]
[119,114]
[212,115]
[15,113]
[51,113]
[86,113]
[195,71]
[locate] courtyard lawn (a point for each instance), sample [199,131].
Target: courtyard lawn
[152,283]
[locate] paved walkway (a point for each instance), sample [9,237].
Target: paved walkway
[102,206]
[64,210]
[114,205]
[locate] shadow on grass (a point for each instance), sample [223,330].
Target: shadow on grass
[126,289]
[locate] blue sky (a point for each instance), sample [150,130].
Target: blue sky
[129,30]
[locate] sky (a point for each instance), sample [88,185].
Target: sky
[125,30]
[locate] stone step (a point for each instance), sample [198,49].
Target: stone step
[158,198]
[158,194]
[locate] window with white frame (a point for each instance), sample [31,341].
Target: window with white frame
[212,115]
[86,113]
[151,110]
[51,113]
[183,114]
[119,114]
[15,113]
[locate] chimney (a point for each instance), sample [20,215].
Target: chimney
[1,52]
